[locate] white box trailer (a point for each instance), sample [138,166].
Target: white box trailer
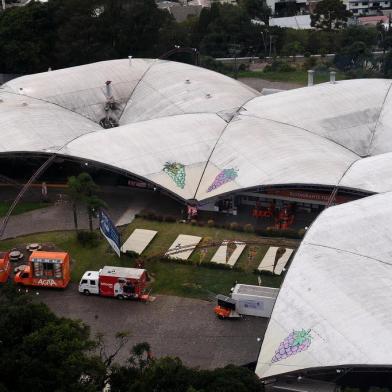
[254,300]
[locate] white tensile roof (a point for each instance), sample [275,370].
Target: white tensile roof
[336,297]
[200,134]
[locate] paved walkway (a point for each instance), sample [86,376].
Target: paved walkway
[123,204]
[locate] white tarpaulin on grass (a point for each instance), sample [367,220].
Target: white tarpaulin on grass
[138,240]
[188,242]
[267,264]
[221,254]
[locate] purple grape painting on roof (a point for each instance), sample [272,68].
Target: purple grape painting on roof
[176,172]
[293,344]
[226,175]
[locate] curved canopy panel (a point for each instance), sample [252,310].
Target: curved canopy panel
[334,306]
[382,140]
[373,174]
[346,112]
[82,89]
[170,88]
[32,125]
[312,136]
[260,151]
[171,151]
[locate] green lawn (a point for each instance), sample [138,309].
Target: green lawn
[168,277]
[297,76]
[21,207]
[168,232]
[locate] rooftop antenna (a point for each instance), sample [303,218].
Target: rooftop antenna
[110,105]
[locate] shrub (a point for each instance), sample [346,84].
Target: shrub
[150,215]
[87,238]
[131,254]
[240,228]
[301,233]
[279,66]
[233,226]
[249,228]
[309,63]
[210,223]
[243,67]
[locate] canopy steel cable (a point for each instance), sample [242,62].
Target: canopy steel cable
[36,174]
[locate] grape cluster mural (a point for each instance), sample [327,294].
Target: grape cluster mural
[176,171]
[226,175]
[293,344]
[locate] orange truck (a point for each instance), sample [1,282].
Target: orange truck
[46,269]
[5,266]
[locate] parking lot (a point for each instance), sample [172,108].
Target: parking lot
[173,326]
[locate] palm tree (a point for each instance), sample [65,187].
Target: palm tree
[81,189]
[75,194]
[93,203]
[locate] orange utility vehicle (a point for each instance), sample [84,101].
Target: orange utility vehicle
[5,266]
[46,269]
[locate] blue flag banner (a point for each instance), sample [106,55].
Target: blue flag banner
[109,231]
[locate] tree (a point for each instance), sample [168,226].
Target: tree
[170,374]
[42,352]
[75,194]
[27,35]
[356,56]
[329,15]
[257,9]
[82,189]
[93,204]
[292,49]
[229,25]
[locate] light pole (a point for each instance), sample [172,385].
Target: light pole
[235,50]
[178,49]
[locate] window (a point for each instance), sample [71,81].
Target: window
[92,282]
[84,281]
[48,270]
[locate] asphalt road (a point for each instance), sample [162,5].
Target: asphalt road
[173,326]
